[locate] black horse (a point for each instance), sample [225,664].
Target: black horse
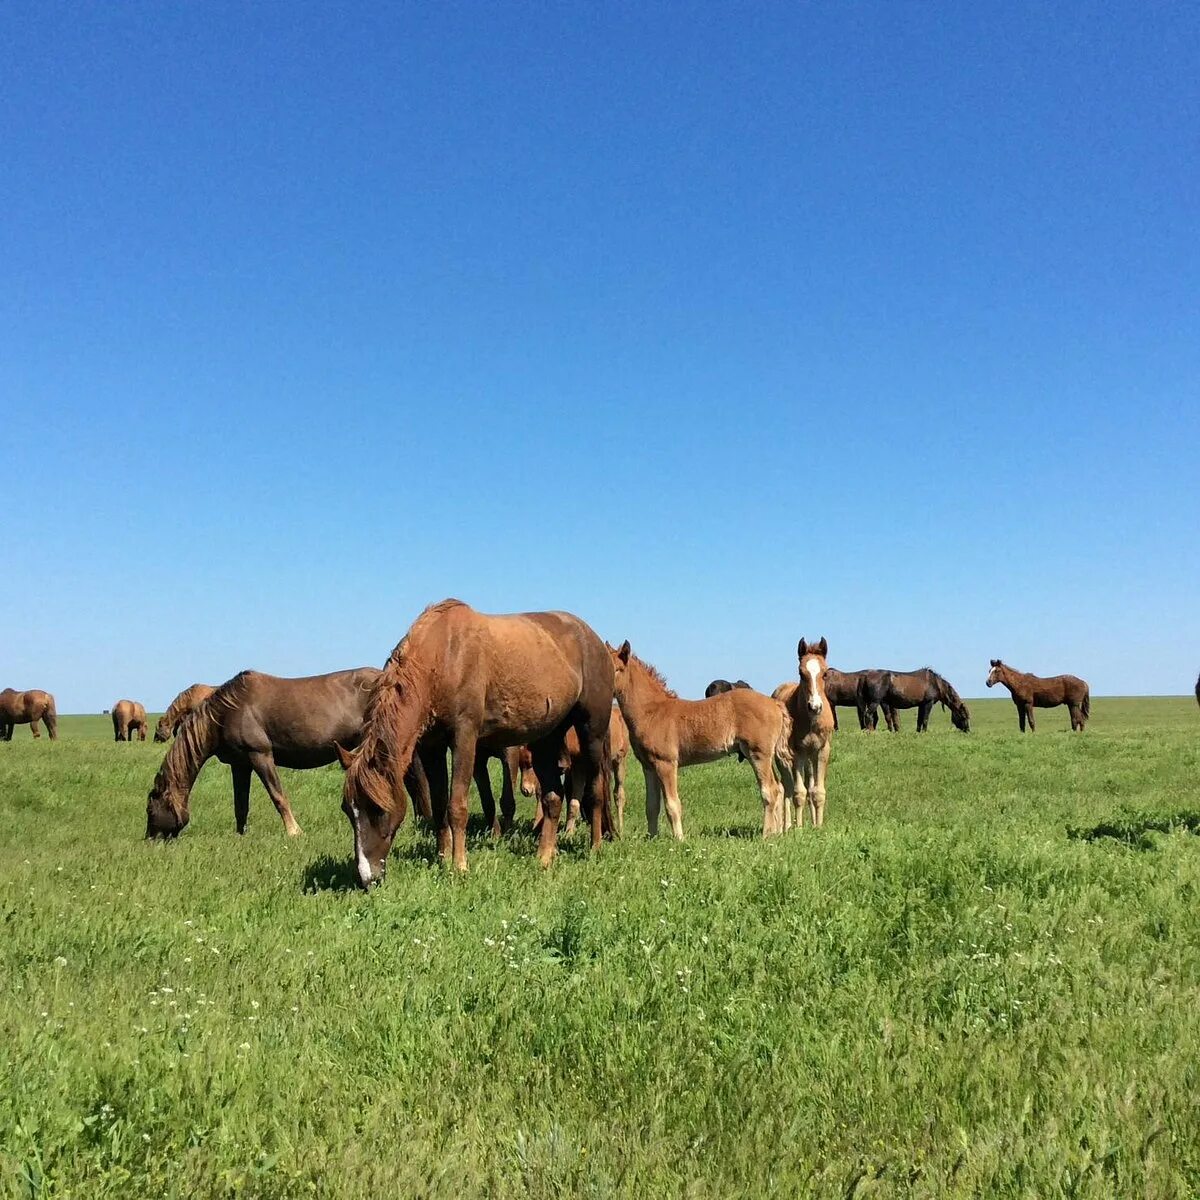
[841,688]
[722,685]
[921,690]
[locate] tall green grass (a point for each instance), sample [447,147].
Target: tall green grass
[982,977]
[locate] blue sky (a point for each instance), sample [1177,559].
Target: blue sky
[717,325]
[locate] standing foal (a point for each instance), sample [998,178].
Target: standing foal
[812,728]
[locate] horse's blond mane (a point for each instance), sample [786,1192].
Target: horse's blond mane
[655,674]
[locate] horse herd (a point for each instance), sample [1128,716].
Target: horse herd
[540,692]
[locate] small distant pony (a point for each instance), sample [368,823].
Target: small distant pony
[27,708]
[667,733]
[811,730]
[1032,691]
[128,716]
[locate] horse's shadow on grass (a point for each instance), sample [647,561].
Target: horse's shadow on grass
[739,831]
[1134,829]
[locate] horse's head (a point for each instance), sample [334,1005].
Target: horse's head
[813,667]
[960,716]
[996,673]
[620,662]
[165,818]
[373,811]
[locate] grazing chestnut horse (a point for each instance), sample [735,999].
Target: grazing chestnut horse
[921,690]
[667,733]
[718,686]
[128,716]
[255,723]
[27,708]
[1032,691]
[811,716]
[168,723]
[618,750]
[473,684]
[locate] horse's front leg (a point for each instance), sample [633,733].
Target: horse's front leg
[816,793]
[546,756]
[462,757]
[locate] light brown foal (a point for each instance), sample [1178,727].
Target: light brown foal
[667,733]
[812,729]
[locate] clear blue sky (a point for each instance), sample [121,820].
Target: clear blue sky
[717,325]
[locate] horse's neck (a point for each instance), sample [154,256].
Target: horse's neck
[192,748]
[643,692]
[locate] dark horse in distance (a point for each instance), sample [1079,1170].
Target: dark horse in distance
[719,687]
[841,689]
[921,690]
[27,708]
[1032,691]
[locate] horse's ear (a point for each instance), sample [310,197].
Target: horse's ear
[345,757]
[625,651]
[802,648]
[995,662]
[823,648]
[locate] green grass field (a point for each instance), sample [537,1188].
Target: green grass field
[959,987]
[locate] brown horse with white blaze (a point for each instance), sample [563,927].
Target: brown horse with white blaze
[667,733]
[470,683]
[184,703]
[1032,691]
[27,708]
[128,717]
[811,732]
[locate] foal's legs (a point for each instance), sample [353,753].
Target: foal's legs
[771,790]
[241,795]
[462,768]
[546,767]
[816,787]
[653,799]
[787,778]
[669,779]
[618,772]
[264,768]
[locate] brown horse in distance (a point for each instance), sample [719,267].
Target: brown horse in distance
[811,730]
[188,699]
[667,733]
[27,708]
[618,751]
[128,716]
[1032,691]
[475,684]
[256,723]
[841,690]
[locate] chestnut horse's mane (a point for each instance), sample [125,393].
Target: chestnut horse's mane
[403,684]
[655,674]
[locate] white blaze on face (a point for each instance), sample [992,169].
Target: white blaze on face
[813,667]
[360,856]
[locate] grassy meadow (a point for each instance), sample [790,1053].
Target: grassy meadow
[981,978]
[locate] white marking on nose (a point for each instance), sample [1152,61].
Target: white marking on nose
[814,698]
[360,856]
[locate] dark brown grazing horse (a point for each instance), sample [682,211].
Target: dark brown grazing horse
[1032,691]
[719,687]
[128,716]
[255,723]
[1198,689]
[841,689]
[472,683]
[168,723]
[27,708]
[921,690]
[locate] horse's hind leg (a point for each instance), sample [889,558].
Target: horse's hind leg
[241,795]
[264,768]
[923,711]
[787,781]
[1029,717]
[34,728]
[546,757]
[770,789]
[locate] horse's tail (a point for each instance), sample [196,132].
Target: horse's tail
[1086,706]
[50,716]
[783,744]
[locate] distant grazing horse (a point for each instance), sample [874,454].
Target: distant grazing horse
[168,723]
[27,708]
[255,723]
[1198,689]
[618,750]
[921,690]
[811,730]
[475,684]
[1032,691]
[667,733]
[719,686]
[841,690]
[128,716]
